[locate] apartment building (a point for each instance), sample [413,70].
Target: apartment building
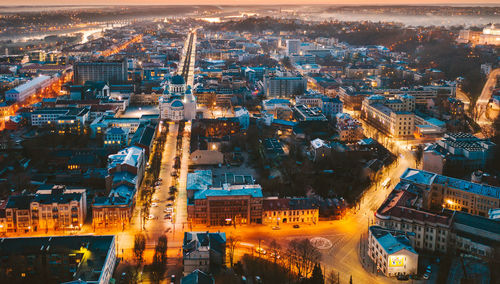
[204,251]
[451,193]
[125,172]
[56,208]
[401,211]
[289,210]
[394,116]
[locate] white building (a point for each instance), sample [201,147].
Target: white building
[178,102]
[392,252]
[26,90]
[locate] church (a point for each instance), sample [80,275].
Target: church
[177,102]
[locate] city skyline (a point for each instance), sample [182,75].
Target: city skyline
[246,3]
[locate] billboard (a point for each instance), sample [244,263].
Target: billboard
[396,261]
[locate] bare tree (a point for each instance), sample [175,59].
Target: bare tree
[231,244]
[139,247]
[332,278]
[302,255]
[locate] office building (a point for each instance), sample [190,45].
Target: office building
[292,46]
[114,72]
[284,86]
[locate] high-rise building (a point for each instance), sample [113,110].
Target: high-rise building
[109,71]
[292,46]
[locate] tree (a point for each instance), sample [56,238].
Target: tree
[274,249]
[159,265]
[139,247]
[332,278]
[232,242]
[303,255]
[350,280]
[162,247]
[317,275]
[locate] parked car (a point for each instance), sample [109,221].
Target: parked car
[276,228]
[296,226]
[260,250]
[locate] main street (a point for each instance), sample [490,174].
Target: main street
[481,115]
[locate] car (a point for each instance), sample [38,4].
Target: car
[296,226]
[260,250]
[426,276]
[428,269]
[169,204]
[403,277]
[276,228]
[167,216]
[154,204]
[151,216]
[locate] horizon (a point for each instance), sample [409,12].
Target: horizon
[97,3]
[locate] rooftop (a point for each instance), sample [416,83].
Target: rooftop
[391,243]
[87,253]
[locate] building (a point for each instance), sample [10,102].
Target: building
[319,149]
[349,129]
[226,205]
[145,135]
[352,97]
[436,229]
[394,117]
[284,86]
[28,89]
[457,149]
[203,251]
[276,211]
[63,120]
[109,71]
[125,172]
[440,191]
[56,208]
[116,137]
[489,36]
[401,211]
[292,46]
[197,277]
[422,95]
[328,105]
[177,102]
[56,259]
[475,235]
[304,113]
[278,108]
[392,252]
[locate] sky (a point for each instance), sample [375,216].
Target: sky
[237,2]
